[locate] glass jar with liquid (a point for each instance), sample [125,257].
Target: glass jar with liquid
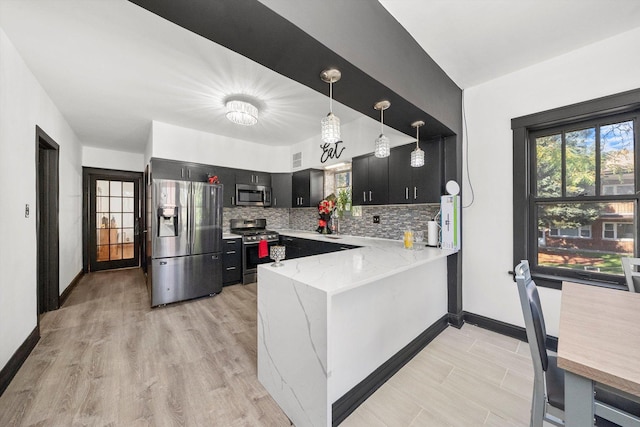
[408,239]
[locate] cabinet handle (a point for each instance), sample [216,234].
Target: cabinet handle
[301,201]
[181,172]
[364,196]
[230,268]
[189,173]
[233,200]
[275,201]
[370,198]
[406,193]
[415,193]
[231,242]
[231,252]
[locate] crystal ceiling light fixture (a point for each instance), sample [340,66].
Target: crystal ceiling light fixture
[242,112]
[382,142]
[417,155]
[330,123]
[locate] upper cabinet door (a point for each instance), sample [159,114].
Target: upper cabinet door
[370,180]
[427,179]
[253,177]
[400,171]
[281,190]
[307,188]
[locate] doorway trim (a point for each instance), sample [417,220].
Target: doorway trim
[87,173]
[47,222]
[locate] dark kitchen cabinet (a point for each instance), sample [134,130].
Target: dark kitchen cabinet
[281,190]
[185,171]
[231,261]
[370,176]
[297,247]
[416,185]
[307,188]
[253,177]
[173,169]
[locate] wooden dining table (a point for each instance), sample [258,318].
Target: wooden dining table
[599,342]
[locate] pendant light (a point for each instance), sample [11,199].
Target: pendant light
[330,123]
[382,142]
[417,155]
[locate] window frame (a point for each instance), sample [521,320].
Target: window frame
[609,109]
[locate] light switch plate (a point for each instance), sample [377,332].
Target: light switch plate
[26,210]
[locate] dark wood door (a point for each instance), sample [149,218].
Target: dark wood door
[301,182]
[427,179]
[400,171]
[378,193]
[281,188]
[360,177]
[113,218]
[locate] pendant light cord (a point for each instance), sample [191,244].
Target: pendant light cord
[417,137]
[331,96]
[381,121]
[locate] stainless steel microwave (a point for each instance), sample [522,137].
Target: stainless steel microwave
[253,195]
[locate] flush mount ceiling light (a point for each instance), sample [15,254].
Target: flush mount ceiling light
[417,155]
[382,142]
[242,112]
[330,123]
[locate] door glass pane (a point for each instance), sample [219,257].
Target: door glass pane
[127,251]
[617,158]
[127,204]
[102,188]
[581,162]
[585,236]
[127,189]
[127,235]
[549,166]
[115,188]
[116,204]
[102,204]
[127,220]
[115,238]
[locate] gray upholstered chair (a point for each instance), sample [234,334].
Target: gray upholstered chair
[548,386]
[631,274]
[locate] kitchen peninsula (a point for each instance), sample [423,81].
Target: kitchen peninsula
[327,322]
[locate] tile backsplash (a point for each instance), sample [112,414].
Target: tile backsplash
[394,219]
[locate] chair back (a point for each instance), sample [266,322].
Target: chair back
[631,275]
[533,318]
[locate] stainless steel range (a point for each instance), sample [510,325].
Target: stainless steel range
[252,232]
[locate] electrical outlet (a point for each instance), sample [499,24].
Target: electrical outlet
[376,219]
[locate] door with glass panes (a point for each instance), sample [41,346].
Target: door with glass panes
[114,207]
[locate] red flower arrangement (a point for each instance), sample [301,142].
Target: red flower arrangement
[325,209]
[326,206]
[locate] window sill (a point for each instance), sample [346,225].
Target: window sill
[555,281]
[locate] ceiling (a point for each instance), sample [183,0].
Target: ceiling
[475,41]
[112,67]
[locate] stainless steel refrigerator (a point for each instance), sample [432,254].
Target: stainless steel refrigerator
[185,240]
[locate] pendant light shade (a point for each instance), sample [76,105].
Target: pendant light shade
[331,123]
[417,155]
[382,142]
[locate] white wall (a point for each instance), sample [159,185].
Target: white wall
[111,159]
[604,68]
[358,138]
[190,145]
[23,105]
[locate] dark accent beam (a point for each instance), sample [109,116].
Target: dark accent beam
[255,31]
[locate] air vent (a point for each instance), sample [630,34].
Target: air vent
[297,160]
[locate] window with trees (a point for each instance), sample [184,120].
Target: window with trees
[575,208]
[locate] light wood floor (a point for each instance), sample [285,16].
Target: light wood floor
[107,359]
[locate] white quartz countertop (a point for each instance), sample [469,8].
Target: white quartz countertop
[347,269]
